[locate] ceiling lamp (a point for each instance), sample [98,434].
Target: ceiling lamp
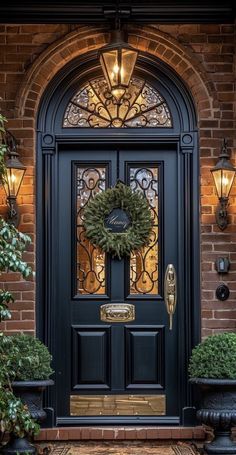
[118,59]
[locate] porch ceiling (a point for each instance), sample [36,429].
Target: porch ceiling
[92,11]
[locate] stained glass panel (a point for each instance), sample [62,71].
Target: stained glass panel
[144,263]
[90,260]
[93,106]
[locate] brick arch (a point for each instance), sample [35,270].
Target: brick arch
[147,39]
[183,61]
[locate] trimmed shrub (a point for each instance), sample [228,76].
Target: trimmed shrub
[214,358]
[27,358]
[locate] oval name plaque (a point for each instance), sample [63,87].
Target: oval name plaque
[117,221]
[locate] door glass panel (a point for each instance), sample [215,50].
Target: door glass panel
[93,106]
[90,260]
[144,263]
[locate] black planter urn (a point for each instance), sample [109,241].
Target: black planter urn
[17,446]
[218,411]
[31,394]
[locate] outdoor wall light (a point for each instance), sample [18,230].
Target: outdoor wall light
[14,177]
[118,59]
[223,175]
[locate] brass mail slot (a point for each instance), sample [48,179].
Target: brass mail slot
[117,312]
[123,405]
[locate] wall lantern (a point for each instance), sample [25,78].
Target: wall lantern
[223,175]
[118,59]
[14,177]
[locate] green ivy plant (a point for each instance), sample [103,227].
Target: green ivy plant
[214,358]
[14,416]
[5,299]
[12,242]
[12,245]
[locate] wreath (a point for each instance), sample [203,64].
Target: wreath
[136,224]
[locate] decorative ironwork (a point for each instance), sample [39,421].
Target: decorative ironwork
[90,259]
[94,106]
[144,262]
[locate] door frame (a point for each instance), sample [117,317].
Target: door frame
[49,141]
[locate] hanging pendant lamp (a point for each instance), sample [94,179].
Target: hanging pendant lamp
[118,60]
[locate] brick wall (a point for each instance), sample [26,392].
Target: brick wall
[203,55]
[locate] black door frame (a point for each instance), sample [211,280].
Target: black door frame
[50,136]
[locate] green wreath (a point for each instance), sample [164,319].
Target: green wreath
[136,208]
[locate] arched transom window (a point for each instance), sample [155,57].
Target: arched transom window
[93,106]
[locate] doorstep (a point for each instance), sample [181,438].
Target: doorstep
[120,433]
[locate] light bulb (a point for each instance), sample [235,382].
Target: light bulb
[225,181]
[116,68]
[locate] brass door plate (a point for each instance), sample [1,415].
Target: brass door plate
[117,312]
[95,405]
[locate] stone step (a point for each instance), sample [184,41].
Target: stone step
[121,433]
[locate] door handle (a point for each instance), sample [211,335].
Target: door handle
[170,292]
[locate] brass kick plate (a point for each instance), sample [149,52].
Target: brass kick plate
[95,405]
[117,312]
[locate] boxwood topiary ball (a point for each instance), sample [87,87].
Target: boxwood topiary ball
[27,357]
[214,358]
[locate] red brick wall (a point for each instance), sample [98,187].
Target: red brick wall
[204,56]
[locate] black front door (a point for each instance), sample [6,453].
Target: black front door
[127,367]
